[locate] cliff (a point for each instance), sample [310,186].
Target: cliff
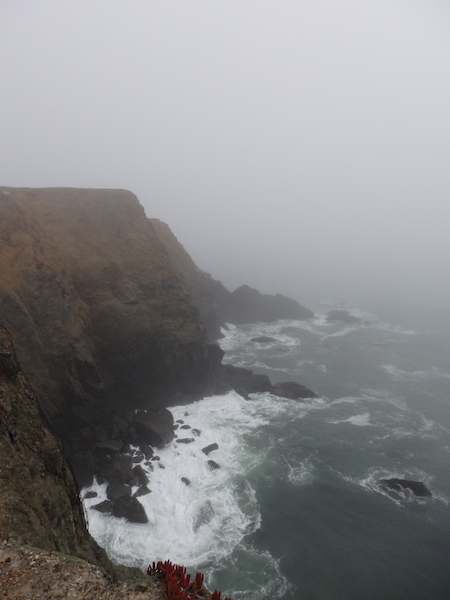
[216,304]
[100,321]
[107,312]
[39,498]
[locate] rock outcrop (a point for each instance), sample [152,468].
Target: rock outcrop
[216,304]
[343,316]
[417,488]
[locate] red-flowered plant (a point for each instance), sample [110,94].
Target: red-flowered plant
[178,582]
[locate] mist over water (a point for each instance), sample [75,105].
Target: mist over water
[295,509]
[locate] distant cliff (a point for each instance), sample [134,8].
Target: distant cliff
[216,304]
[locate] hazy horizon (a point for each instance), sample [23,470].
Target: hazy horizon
[298,147]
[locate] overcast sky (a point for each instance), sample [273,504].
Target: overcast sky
[299,146]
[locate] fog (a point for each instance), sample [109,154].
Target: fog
[299,146]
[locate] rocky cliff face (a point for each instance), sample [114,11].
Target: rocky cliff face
[101,323]
[39,501]
[216,304]
[107,312]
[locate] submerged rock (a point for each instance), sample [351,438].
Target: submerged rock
[418,488]
[204,515]
[263,339]
[213,465]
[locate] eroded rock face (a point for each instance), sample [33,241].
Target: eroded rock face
[216,304]
[101,323]
[38,496]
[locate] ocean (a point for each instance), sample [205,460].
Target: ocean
[291,507]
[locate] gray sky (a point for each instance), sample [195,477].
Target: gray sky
[298,146]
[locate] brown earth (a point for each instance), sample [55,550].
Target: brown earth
[27,573]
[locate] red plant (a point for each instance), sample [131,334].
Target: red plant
[178,582]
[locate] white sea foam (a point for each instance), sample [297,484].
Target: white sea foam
[362,420]
[208,519]
[371,483]
[301,473]
[401,375]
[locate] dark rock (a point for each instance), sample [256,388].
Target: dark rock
[140,475]
[185,427]
[263,339]
[418,488]
[117,469]
[213,465]
[204,515]
[247,305]
[104,507]
[114,491]
[151,427]
[137,457]
[196,431]
[210,448]
[292,390]
[142,491]
[186,440]
[130,509]
[180,421]
[186,480]
[109,446]
[344,316]
[90,495]
[245,382]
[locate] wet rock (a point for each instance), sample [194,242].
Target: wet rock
[138,457]
[115,491]
[207,449]
[263,339]
[186,440]
[418,488]
[292,390]
[117,469]
[140,475]
[109,445]
[204,515]
[90,495]
[196,431]
[151,427]
[186,480]
[344,316]
[130,509]
[213,465]
[104,507]
[185,427]
[142,491]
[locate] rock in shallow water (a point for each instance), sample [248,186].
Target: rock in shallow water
[418,488]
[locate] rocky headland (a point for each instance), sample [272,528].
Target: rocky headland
[112,322]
